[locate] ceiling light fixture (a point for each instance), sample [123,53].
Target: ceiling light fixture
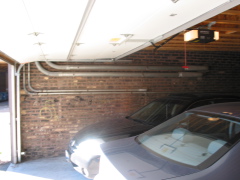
[120,39]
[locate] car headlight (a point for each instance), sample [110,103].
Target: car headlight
[89,148]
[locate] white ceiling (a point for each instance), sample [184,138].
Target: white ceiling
[61,30]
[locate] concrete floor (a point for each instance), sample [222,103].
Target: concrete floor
[56,168]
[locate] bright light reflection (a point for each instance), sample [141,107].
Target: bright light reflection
[89,147]
[5,146]
[12,175]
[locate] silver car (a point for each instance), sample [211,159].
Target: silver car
[83,150]
[202,143]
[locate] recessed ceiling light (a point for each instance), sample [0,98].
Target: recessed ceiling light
[173,14]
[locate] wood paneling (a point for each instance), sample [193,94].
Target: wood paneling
[227,23]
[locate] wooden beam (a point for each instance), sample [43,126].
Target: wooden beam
[221,21]
[230,32]
[220,46]
[231,12]
[7,58]
[194,49]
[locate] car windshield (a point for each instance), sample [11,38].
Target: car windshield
[159,111]
[192,138]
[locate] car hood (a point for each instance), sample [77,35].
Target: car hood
[111,130]
[134,162]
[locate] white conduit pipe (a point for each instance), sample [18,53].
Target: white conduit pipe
[83,91]
[120,67]
[18,119]
[90,92]
[66,92]
[91,60]
[117,74]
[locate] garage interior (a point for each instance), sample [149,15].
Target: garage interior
[59,97]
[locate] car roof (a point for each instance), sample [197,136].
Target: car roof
[231,109]
[203,95]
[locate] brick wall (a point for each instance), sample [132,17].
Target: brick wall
[49,121]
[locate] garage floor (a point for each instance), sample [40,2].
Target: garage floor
[56,168]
